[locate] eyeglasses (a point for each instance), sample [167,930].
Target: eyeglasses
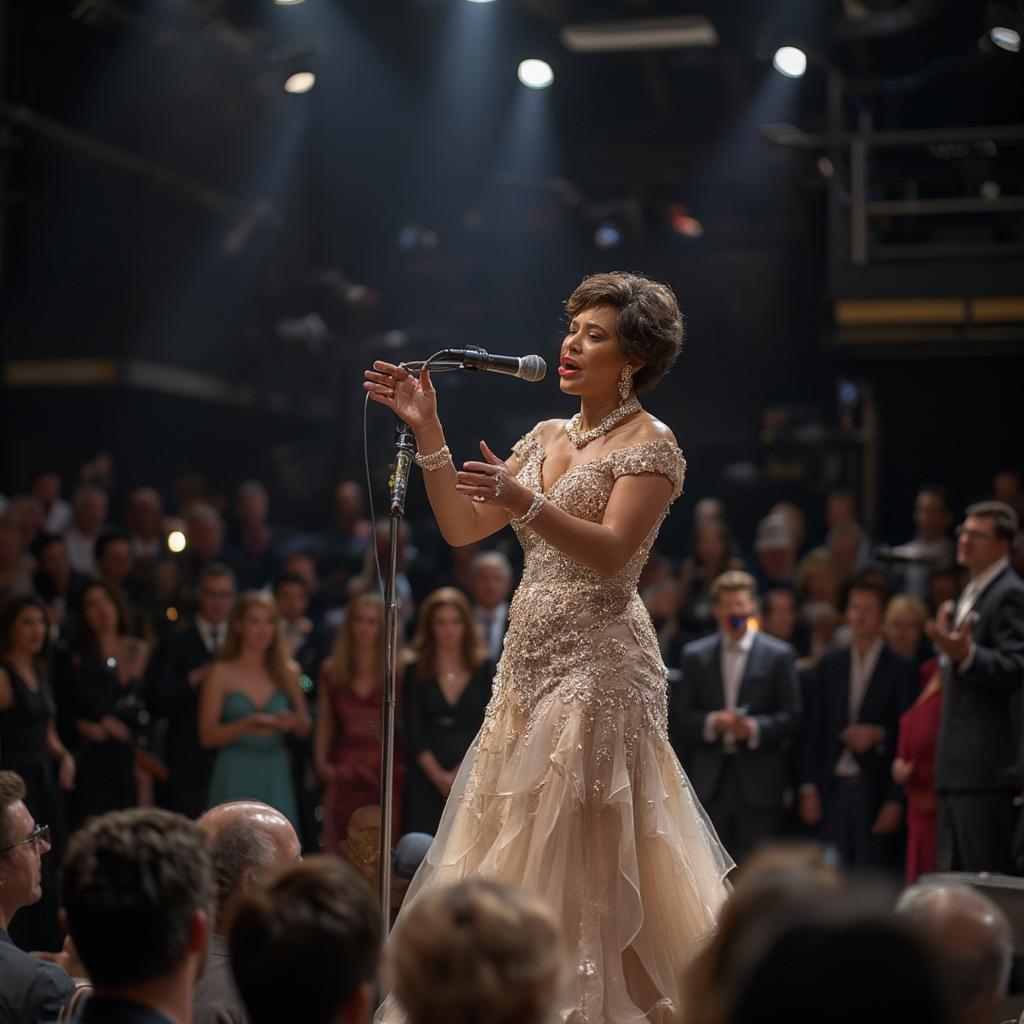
[38,836]
[962,531]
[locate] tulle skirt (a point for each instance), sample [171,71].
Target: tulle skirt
[589,809]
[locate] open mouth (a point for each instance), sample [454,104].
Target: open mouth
[568,369]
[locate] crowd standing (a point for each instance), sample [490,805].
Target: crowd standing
[860,695]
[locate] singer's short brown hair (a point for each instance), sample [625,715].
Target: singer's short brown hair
[648,323]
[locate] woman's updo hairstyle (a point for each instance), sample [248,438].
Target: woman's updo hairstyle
[649,323]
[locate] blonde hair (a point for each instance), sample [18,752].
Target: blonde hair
[477,951]
[343,650]
[906,603]
[424,646]
[731,581]
[278,659]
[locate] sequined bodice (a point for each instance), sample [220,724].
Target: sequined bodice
[573,632]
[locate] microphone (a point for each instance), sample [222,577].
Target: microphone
[530,368]
[405,449]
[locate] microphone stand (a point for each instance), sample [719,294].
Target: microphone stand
[404,450]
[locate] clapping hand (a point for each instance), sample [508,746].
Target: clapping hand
[955,643]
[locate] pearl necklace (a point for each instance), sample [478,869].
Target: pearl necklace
[616,416]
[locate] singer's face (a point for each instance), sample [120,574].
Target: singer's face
[591,356]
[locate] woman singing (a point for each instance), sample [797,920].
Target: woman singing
[572,790]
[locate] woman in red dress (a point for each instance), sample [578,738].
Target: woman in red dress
[347,740]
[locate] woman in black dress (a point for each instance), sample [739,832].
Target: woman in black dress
[30,746]
[98,688]
[446,693]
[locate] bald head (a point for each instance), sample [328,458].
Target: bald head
[247,839]
[974,940]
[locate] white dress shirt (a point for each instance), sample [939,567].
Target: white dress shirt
[733,658]
[969,598]
[212,634]
[862,668]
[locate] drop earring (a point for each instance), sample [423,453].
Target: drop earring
[626,382]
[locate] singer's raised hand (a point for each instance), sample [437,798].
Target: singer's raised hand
[409,397]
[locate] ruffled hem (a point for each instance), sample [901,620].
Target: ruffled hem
[593,813]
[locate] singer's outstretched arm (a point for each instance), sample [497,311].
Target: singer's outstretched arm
[632,510]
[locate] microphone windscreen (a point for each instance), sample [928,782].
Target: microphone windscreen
[532,368]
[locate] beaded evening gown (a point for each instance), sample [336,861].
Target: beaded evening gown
[571,789]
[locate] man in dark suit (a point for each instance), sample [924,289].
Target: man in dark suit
[176,675]
[137,890]
[490,583]
[981,640]
[31,990]
[733,713]
[851,724]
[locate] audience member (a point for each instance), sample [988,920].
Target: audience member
[137,891]
[447,690]
[15,562]
[981,640]
[181,666]
[54,510]
[817,589]
[144,518]
[55,581]
[734,712]
[848,547]
[347,739]
[255,552]
[1008,487]
[32,991]
[662,603]
[249,702]
[776,549]
[98,683]
[291,594]
[89,513]
[905,618]
[30,746]
[793,515]
[205,530]
[712,552]
[914,770]
[246,841]
[780,618]
[848,743]
[708,509]
[974,944]
[931,549]
[477,951]
[490,584]
[305,945]
[840,507]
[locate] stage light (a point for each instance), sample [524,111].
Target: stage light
[481,1]
[1005,38]
[300,82]
[176,542]
[607,236]
[536,74]
[790,61]
[287,3]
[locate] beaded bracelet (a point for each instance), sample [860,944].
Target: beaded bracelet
[539,501]
[435,460]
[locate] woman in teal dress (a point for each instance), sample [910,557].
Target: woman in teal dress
[249,701]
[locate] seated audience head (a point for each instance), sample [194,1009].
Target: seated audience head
[933,512]
[734,602]
[23,626]
[477,951]
[361,631]
[712,546]
[114,556]
[776,549]
[779,613]
[846,542]
[26,516]
[305,945]
[303,564]
[818,579]
[205,533]
[136,890]
[445,624]
[246,840]
[89,508]
[51,555]
[291,592]
[23,843]
[490,579]
[840,507]
[145,513]
[12,547]
[708,508]
[905,617]
[974,942]
[46,487]
[255,627]
[986,535]
[865,609]
[100,612]
[251,504]
[215,593]
[796,519]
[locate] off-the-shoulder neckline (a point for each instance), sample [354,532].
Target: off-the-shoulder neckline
[601,458]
